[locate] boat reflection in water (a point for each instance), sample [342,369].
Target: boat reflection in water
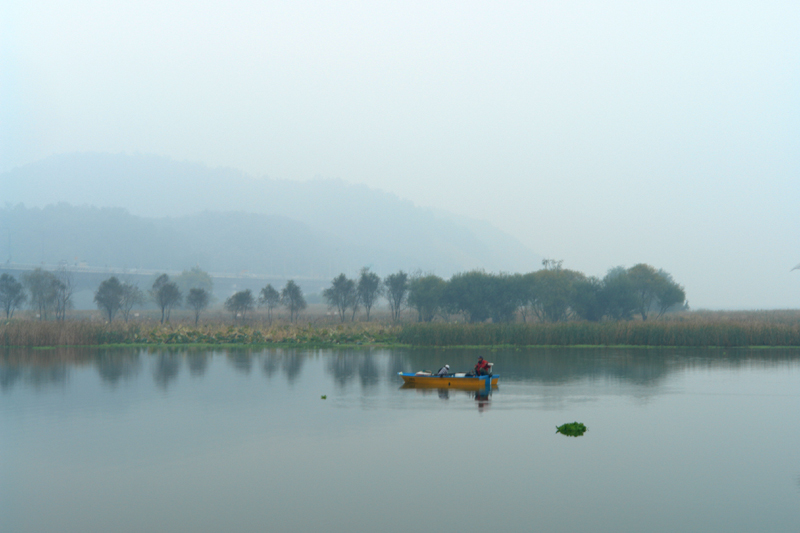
[481,396]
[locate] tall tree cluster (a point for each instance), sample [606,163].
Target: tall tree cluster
[49,293]
[114,296]
[552,294]
[347,296]
[239,303]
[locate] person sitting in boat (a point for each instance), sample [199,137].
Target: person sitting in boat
[443,371]
[482,368]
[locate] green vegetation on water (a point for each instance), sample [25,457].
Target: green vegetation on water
[575,429]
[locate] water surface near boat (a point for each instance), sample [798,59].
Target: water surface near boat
[241,440]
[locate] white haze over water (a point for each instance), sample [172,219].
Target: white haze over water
[600,133]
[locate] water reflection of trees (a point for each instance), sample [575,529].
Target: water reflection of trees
[38,377]
[368,371]
[38,369]
[347,365]
[167,362]
[166,367]
[198,363]
[41,369]
[241,360]
[289,362]
[271,364]
[292,365]
[113,365]
[43,376]
[9,376]
[342,365]
[637,366]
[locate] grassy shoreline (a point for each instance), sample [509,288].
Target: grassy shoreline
[657,333]
[676,333]
[45,334]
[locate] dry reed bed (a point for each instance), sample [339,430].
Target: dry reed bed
[700,331]
[661,333]
[78,333]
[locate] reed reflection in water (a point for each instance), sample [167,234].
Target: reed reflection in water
[369,367]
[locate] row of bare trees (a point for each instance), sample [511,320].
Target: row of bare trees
[48,293]
[291,297]
[347,296]
[114,296]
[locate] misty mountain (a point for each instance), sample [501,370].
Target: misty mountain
[153,212]
[115,238]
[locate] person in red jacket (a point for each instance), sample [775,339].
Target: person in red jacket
[482,368]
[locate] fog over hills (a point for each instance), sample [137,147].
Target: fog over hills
[142,211]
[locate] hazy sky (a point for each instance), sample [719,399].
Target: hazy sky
[600,133]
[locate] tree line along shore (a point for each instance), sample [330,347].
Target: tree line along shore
[551,294]
[553,306]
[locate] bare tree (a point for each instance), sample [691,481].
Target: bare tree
[269,298]
[12,294]
[292,298]
[240,303]
[63,286]
[397,292]
[132,295]
[342,295]
[198,300]
[109,297]
[369,289]
[166,295]
[41,287]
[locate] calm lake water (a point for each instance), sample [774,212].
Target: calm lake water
[240,440]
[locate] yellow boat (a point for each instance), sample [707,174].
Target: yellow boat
[456,381]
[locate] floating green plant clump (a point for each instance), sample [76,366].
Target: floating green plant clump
[576,429]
